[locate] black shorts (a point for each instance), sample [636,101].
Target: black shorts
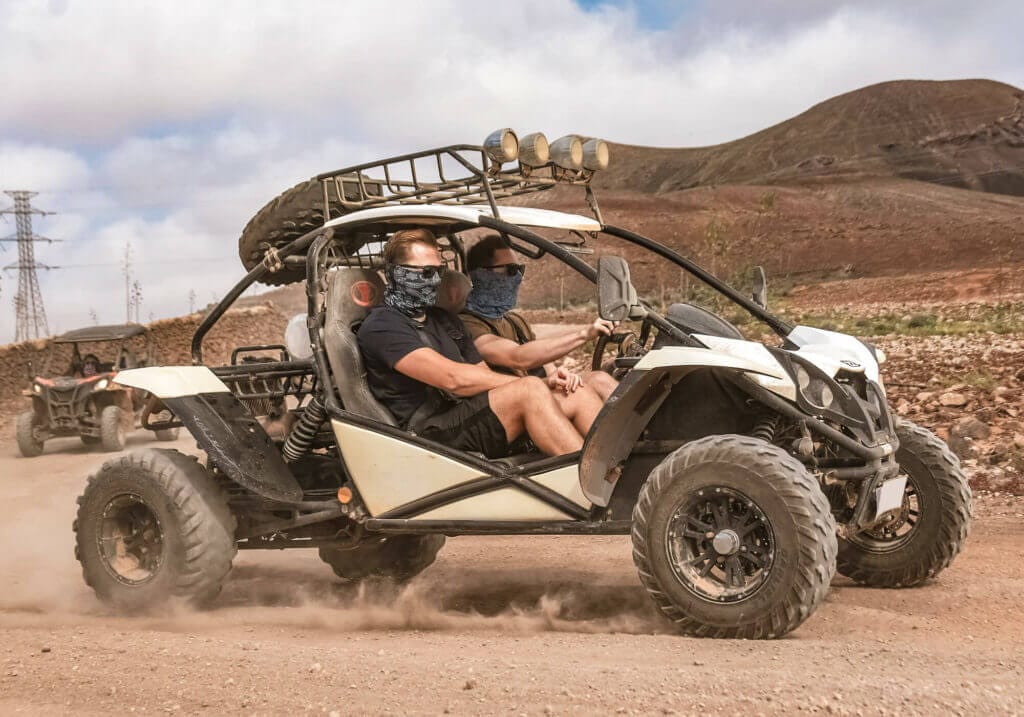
[469,425]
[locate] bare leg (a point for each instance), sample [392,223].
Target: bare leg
[581,406]
[603,384]
[527,405]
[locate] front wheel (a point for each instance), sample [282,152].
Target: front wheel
[924,537]
[733,538]
[153,526]
[112,433]
[29,443]
[398,557]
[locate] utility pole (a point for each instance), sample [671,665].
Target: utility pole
[137,299]
[126,268]
[30,314]
[191,301]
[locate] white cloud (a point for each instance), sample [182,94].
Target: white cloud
[170,124]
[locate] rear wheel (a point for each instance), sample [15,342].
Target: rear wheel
[153,526]
[733,538]
[924,537]
[112,433]
[29,442]
[399,557]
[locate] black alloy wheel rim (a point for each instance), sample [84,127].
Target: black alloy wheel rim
[896,531]
[131,540]
[721,546]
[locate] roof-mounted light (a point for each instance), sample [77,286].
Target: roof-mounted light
[502,145]
[567,152]
[534,150]
[595,155]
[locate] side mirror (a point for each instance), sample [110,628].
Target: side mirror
[760,295]
[616,297]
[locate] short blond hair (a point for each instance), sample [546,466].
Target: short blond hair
[396,251]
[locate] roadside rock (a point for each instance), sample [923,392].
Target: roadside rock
[953,399]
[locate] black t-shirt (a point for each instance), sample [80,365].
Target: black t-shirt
[386,337]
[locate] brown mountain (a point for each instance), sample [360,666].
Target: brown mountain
[964,133]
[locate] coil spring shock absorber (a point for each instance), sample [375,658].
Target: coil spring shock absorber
[765,427]
[304,432]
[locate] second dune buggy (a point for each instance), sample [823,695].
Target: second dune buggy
[745,473]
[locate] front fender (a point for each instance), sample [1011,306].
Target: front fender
[641,393]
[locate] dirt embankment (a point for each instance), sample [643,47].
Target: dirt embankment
[171,345]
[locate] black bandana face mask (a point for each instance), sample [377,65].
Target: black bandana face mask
[408,291]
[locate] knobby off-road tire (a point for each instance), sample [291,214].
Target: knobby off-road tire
[112,433]
[24,433]
[934,524]
[152,527]
[166,434]
[776,510]
[398,557]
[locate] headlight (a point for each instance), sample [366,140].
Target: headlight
[502,145]
[815,390]
[595,155]
[534,150]
[567,152]
[101,384]
[36,388]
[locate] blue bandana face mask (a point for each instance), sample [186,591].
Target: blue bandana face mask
[494,294]
[408,291]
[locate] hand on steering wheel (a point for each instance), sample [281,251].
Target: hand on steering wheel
[602,342]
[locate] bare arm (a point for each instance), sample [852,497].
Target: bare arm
[499,351]
[463,379]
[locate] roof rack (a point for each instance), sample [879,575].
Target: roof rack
[446,175]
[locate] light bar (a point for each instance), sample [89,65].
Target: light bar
[567,152]
[595,155]
[534,150]
[502,145]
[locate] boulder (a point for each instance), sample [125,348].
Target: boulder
[953,399]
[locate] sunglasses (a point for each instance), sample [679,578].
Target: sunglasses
[507,269]
[427,272]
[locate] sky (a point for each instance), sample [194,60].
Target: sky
[166,126]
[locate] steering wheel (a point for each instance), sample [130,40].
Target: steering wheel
[623,340]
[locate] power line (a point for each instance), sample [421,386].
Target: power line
[30,314]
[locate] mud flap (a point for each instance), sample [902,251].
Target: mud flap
[236,443]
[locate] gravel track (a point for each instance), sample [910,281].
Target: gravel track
[497,626]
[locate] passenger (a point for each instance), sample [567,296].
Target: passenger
[504,338]
[422,365]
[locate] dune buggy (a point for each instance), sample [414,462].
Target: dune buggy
[83,399]
[745,473]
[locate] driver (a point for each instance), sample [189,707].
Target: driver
[90,366]
[504,338]
[422,365]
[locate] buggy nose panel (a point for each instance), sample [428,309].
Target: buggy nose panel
[172,381]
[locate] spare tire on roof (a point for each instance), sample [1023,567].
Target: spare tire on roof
[287,217]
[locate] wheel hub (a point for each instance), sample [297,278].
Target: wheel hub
[726,542]
[130,540]
[721,545]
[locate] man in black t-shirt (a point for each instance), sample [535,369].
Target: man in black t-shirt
[423,366]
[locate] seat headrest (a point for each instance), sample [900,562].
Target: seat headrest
[453,291]
[352,292]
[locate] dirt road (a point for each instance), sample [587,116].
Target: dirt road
[497,626]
